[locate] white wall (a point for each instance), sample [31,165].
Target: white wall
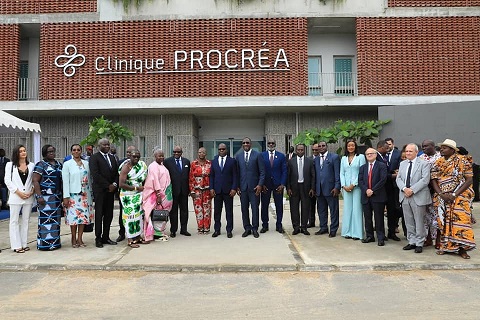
[329,45]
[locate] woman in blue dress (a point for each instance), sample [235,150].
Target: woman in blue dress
[47,182]
[352,221]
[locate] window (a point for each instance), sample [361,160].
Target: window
[23,81]
[343,76]
[169,150]
[314,76]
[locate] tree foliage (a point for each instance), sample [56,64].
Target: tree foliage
[103,128]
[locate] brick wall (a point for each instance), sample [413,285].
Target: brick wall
[433,3]
[418,56]
[160,39]
[9,59]
[46,6]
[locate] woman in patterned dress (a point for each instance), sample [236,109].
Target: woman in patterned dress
[199,181]
[77,195]
[452,178]
[133,173]
[47,182]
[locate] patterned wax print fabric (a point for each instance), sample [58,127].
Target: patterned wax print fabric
[454,219]
[199,181]
[49,215]
[132,199]
[80,210]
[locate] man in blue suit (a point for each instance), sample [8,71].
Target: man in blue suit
[223,187]
[327,185]
[275,181]
[251,177]
[371,180]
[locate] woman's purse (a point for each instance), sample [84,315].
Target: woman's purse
[159,214]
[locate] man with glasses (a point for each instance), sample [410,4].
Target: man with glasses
[275,180]
[223,187]
[179,169]
[251,177]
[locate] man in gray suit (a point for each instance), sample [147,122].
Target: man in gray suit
[412,181]
[251,177]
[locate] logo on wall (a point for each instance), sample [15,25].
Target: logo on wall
[70,60]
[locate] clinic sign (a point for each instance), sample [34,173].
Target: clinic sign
[181,61]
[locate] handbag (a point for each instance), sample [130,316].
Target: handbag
[160,214]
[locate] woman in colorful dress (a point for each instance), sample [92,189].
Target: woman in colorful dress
[133,173]
[452,178]
[352,221]
[18,179]
[47,182]
[199,181]
[77,195]
[157,194]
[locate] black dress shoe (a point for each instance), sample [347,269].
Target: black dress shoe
[381,243]
[120,238]
[295,231]
[185,233]
[311,225]
[368,239]
[355,239]
[305,232]
[215,234]
[319,232]
[108,241]
[173,234]
[255,233]
[409,247]
[418,249]
[348,237]
[246,233]
[332,235]
[263,230]
[229,235]
[280,230]
[393,237]
[98,243]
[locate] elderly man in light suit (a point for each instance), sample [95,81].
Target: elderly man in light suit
[412,181]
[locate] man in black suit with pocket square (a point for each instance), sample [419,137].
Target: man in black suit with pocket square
[179,169]
[104,173]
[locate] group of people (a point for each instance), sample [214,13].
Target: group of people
[430,192]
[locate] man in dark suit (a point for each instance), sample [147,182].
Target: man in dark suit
[394,212]
[104,173]
[275,181]
[251,177]
[223,187]
[327,186]
[313,200]
[3,187]
[179,169]
[371,179]
[300,187]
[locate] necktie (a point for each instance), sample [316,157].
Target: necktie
[246,158]
[409,171]
[108,160]
[221,163]
[321,161]
[179,166]
[300,169]
[385,159]
[271,159]
[370,176]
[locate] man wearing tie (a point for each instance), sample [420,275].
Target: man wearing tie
[251,177]
[327,176]
[412,181]
[393,158]
[223,186]
[275,181]
[104,173]
[371,179]
[3,187]
[179,169]
[313,200]
[300,187]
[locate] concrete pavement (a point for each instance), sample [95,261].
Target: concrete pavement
[202,253]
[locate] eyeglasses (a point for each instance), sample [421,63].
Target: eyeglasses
[220,149]
[74,150]
[270,142]
[245,142]
[138,157]
[177,151]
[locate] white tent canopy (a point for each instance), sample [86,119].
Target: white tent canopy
[12,124]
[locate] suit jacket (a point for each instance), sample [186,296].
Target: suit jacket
[308,175]
[252,175]
[419,180]
[14,182]
[101,173]
[222,181]
[328,176]
[379,177]
[180,182]
[276,175]
[394,161]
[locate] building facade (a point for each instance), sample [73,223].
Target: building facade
[198,73]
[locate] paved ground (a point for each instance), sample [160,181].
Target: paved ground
[271,252]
